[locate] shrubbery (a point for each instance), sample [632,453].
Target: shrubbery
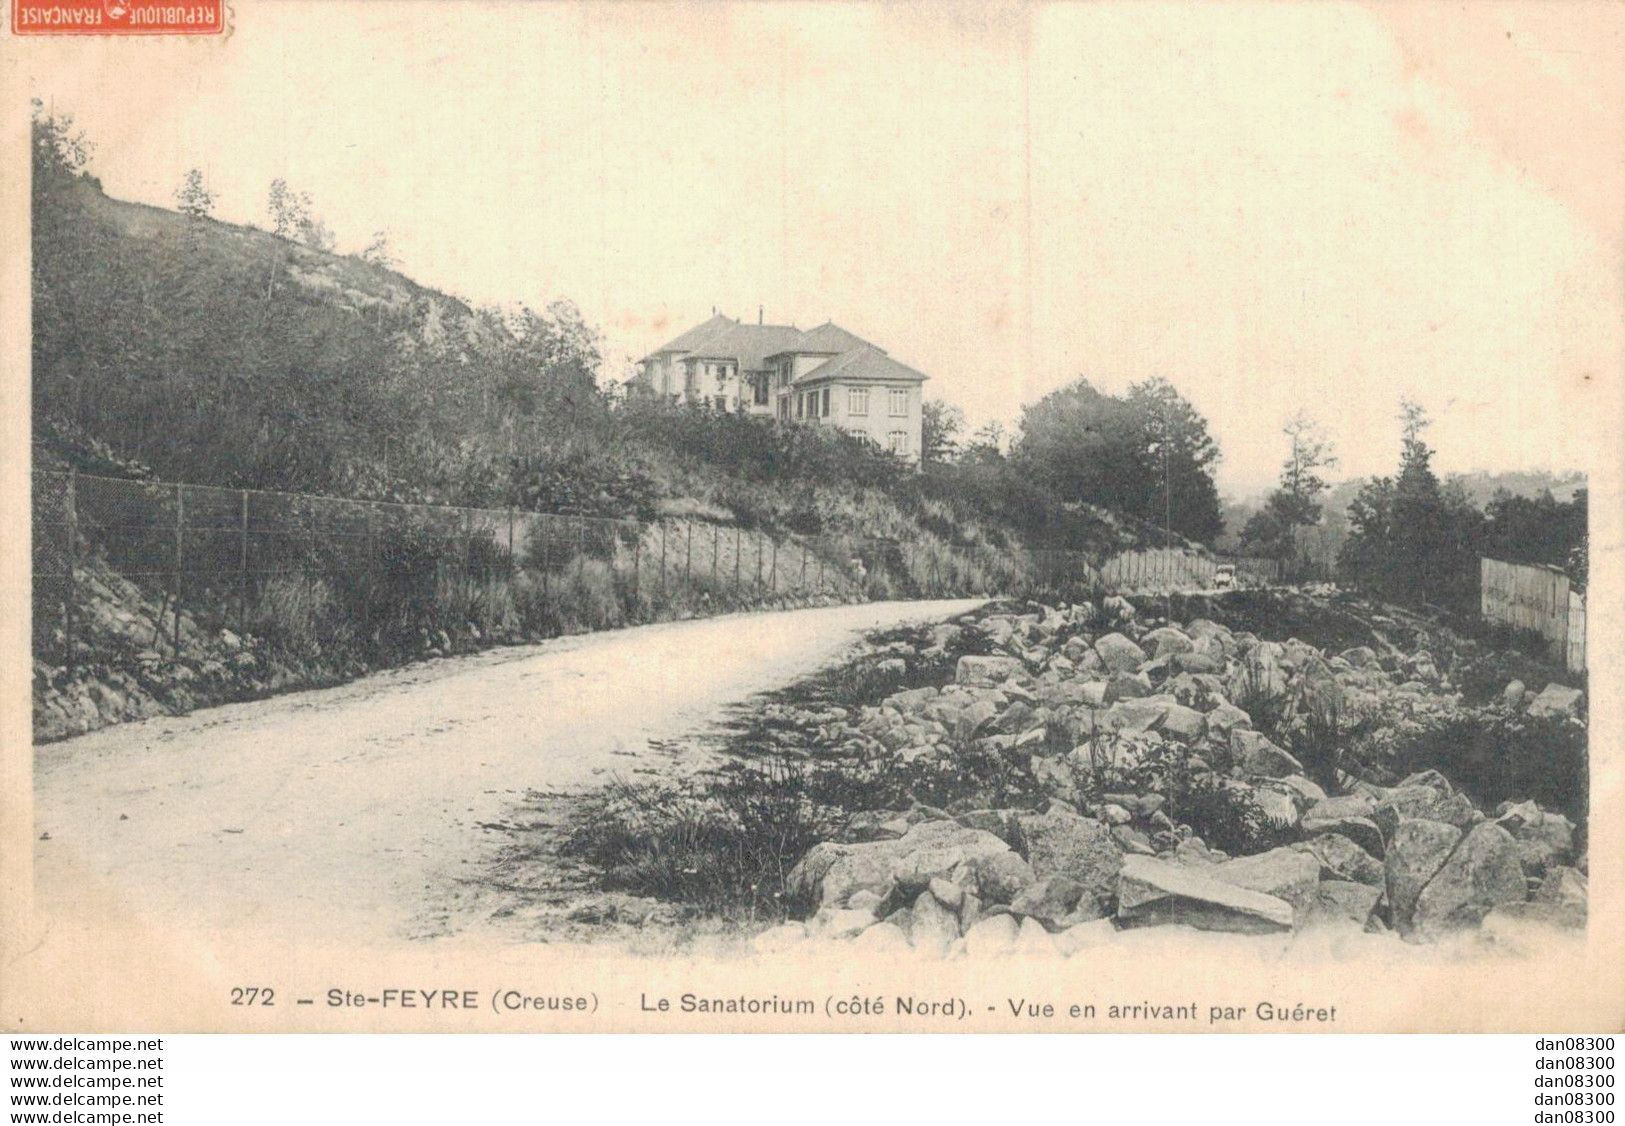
[1495,754]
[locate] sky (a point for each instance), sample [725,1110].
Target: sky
[1276,207]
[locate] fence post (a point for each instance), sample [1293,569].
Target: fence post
[738,551]
[180,547]
[774,579]
[716,550]
[757,536]
[803,587]
[510,535]
[581,547]
[688,552]
[637,565]
[662,560]
[242,561]
[68,607]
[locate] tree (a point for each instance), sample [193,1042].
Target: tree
[987,445]
[1147,454]
[940,426]
[378,252]
[1295,503]
[1412,539]
[292,217]
[60,150]
[1176,455]
[192,198]
[286,209]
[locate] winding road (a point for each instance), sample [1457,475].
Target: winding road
[336,814]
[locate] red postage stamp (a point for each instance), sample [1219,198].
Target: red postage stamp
[118,17]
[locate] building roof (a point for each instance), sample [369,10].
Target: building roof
[747,344]
[863,364]
[752,346]
[828,339]
[696,335]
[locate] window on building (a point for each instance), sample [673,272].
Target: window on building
[801,404]
[761,388]
[825,411]
[898,441]
[897,400]
[857,400]
[722,402]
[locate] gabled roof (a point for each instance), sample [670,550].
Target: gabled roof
[828,339]
[862,364]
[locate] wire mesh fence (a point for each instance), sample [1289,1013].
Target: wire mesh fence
[386,574]
[205,557]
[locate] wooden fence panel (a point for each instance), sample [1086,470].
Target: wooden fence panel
[1536,599]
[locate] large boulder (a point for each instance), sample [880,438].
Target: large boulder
[973,859]
[934,926]
[1416,852]
[1423,802]
[831,874]
[1152,892]
[992,936]
[1344,901]
[1059,843]
[1286,873]
[1052,899]
[1557,699]
[1226,718]
[1136,715]
[1545,839]
[1342,859]
[1362,831]
[1165,641]
[1184,724]
[987,672]
[1119,653]
[1254,752]
[1482,873]
[1128,686]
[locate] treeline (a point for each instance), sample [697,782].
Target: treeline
[1415,540]
[1146,454]
[1410,538]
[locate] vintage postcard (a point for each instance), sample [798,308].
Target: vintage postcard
[960,517]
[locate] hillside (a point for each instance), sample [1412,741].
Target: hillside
[190,349]
[173,347]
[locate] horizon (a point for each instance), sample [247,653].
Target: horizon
[1362,219]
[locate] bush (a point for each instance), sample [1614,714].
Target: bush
[1224,814]
[723,844]
[1494,754]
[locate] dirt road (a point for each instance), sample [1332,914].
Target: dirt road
[340,813]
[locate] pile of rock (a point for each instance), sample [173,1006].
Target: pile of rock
[1069,690]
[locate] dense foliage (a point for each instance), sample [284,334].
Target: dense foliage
[1415,540]
[1146,453]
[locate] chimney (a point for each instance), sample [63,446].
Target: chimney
[758,314]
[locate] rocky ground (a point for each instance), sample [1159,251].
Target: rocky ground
[1091,770]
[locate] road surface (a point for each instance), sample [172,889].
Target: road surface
[340,814]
